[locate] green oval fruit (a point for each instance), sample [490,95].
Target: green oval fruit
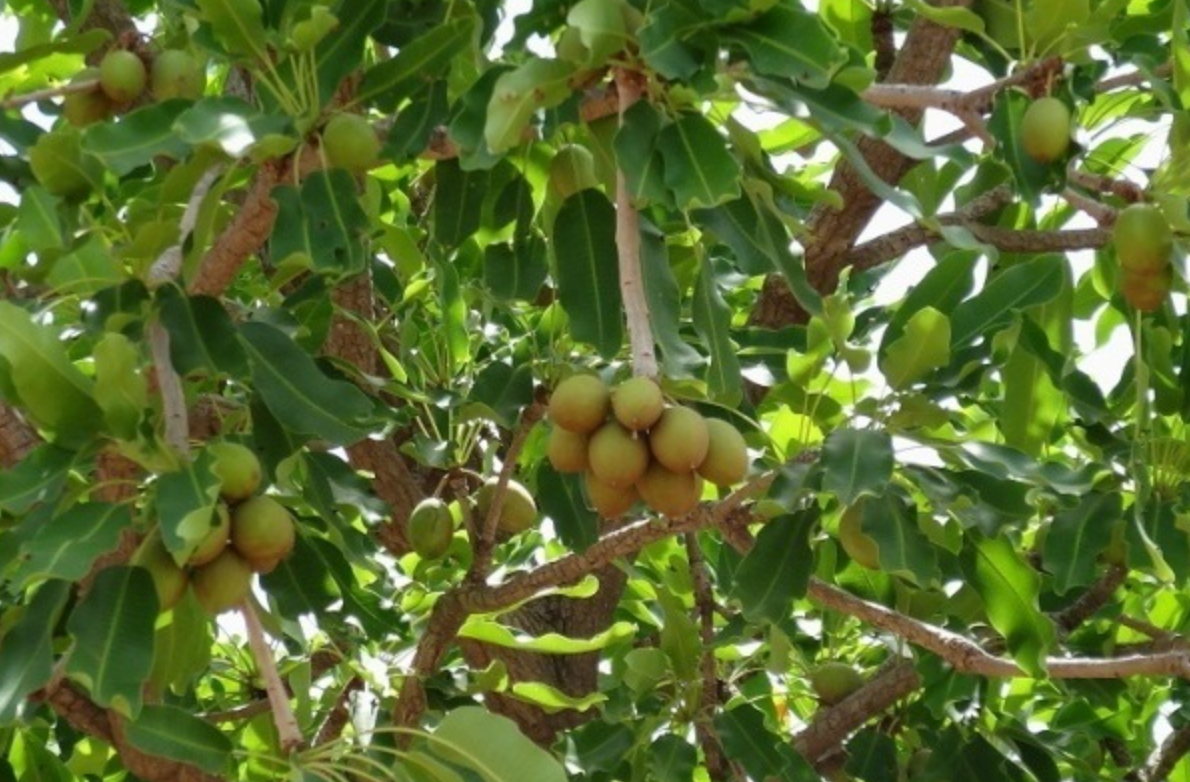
[431,528]
[223,583]
[579,403]
[638,403]
[679,439]
[833,681]
[122,75]
[726,462]
[567,451]
[1143,239]
[1146,292]
[609,501]
[1045,130]
[517,514]
[617,456]
[855,543]
[670,493]
[89,106]
[237,468]
[177,74]
[169,580]
[216,540]
[350,142]
[572,169]
[262,529]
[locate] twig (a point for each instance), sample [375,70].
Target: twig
[1173,749]
[339,715]
[16,101]
[288,733]
[632,290]
[1104,215]
[1129,191]
[704,605]
[1092,600]
[966,656]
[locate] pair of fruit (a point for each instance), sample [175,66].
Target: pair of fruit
[122,78]
[629,446]
[431,526]
[1144,248]
[249,534]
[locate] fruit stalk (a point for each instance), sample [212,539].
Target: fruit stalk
[24,99]
[288,733]
[632,290]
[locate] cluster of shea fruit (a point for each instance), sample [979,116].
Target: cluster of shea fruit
[631,445]
[249,534]
[122,78]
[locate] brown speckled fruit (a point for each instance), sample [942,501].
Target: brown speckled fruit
[638,403]
[237,468]
[122,75]
[726,462]
[176,74]
[567,451]
[431,528]
[579,404]
[216,539]
[679,439]
[617,456]
[223,583]
[670,493]
[89,106]
[609,501]
[262,529]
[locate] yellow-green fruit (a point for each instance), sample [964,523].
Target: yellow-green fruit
[617,456]
[431,528]
[84,108]
[177,74]
[517,514]
[1146,292]
[855,543]
[579,403]
[216,540]
[833,681]
[350,142]
[1143,239]
[567,451]
[122,75]
[169,580]
[609,501]
[237,468]
[262,529]
[572,169]
[670,493]
[726,462]
[638,403]
[679,439]
[223,583]
[1045,130]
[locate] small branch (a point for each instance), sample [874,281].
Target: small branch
[288,733]
[446,618]
[173,396]
[704,605]
[169,264]
[340,713]
[16,101]
[1132,78]
[1092,600]
[966,656]
[632,289]
[1173,749]
[1104,215]
[1121,188]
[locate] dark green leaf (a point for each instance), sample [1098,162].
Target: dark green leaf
[561,498]
[502,391]
[698,166]
[27,649]
[712,321]
[872,757]
[637,156]
[777,569]
[35,479]
[238,25]
[174,733]
[672,759]
[202,337]
[678,358]
[856,462]
[185,503]
[341,52]
[138,137]
[516,271]
[587,270]
[789,42]
[323,225]
[69,544]
[391,81]
[416,122]
[493,747]
[1024,285]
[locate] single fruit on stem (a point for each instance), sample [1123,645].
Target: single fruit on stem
[857,545]
[223,583]
[122,75]
[262,529]
[617,456]
[169,580]
[350,142]
[1143,239]
[1045,130]
[670,493]
[833,681]
[431,528]
[84,108]
[579,403]
[638,403]
[177,74]
[567,451]
[679,439]
[726,463]
[237,468]
[215,541]
[518,512]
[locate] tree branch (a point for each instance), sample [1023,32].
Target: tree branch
[17,438]
[704,606]
[1092,600]
[1174,748]
[288,733]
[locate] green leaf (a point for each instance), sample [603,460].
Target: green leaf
[672,759]
[923,347]
[69,544]
[492,632]
[493,748]
[391,81]
[777,569]
[679,636]
[322,225]
[86,270]
[561,498]
[901,546]
[202,337]
[38,222]
[942,288]
[185,501]
[238,25]
[698,166]
[1077,537]
[1024,285]
[232,125]
[112,630]
[856,462]
[39,477]
[747,740]
[1033,408]
[678,358]
[27,649]
[637,156]
[500,392]
[121,391]
[667,41]
[516,271]
[341,52]
[72,43]
[458,202]
[953,16]
[601,28]
[54,394]
[872,756]
[415,122]
[587,270]
[1009,588]
[176,734]
[552,699]
[303,399]
[518,95]
[138,138]
[712,321]
[789,42]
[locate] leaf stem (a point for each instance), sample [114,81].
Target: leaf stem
[288,732]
